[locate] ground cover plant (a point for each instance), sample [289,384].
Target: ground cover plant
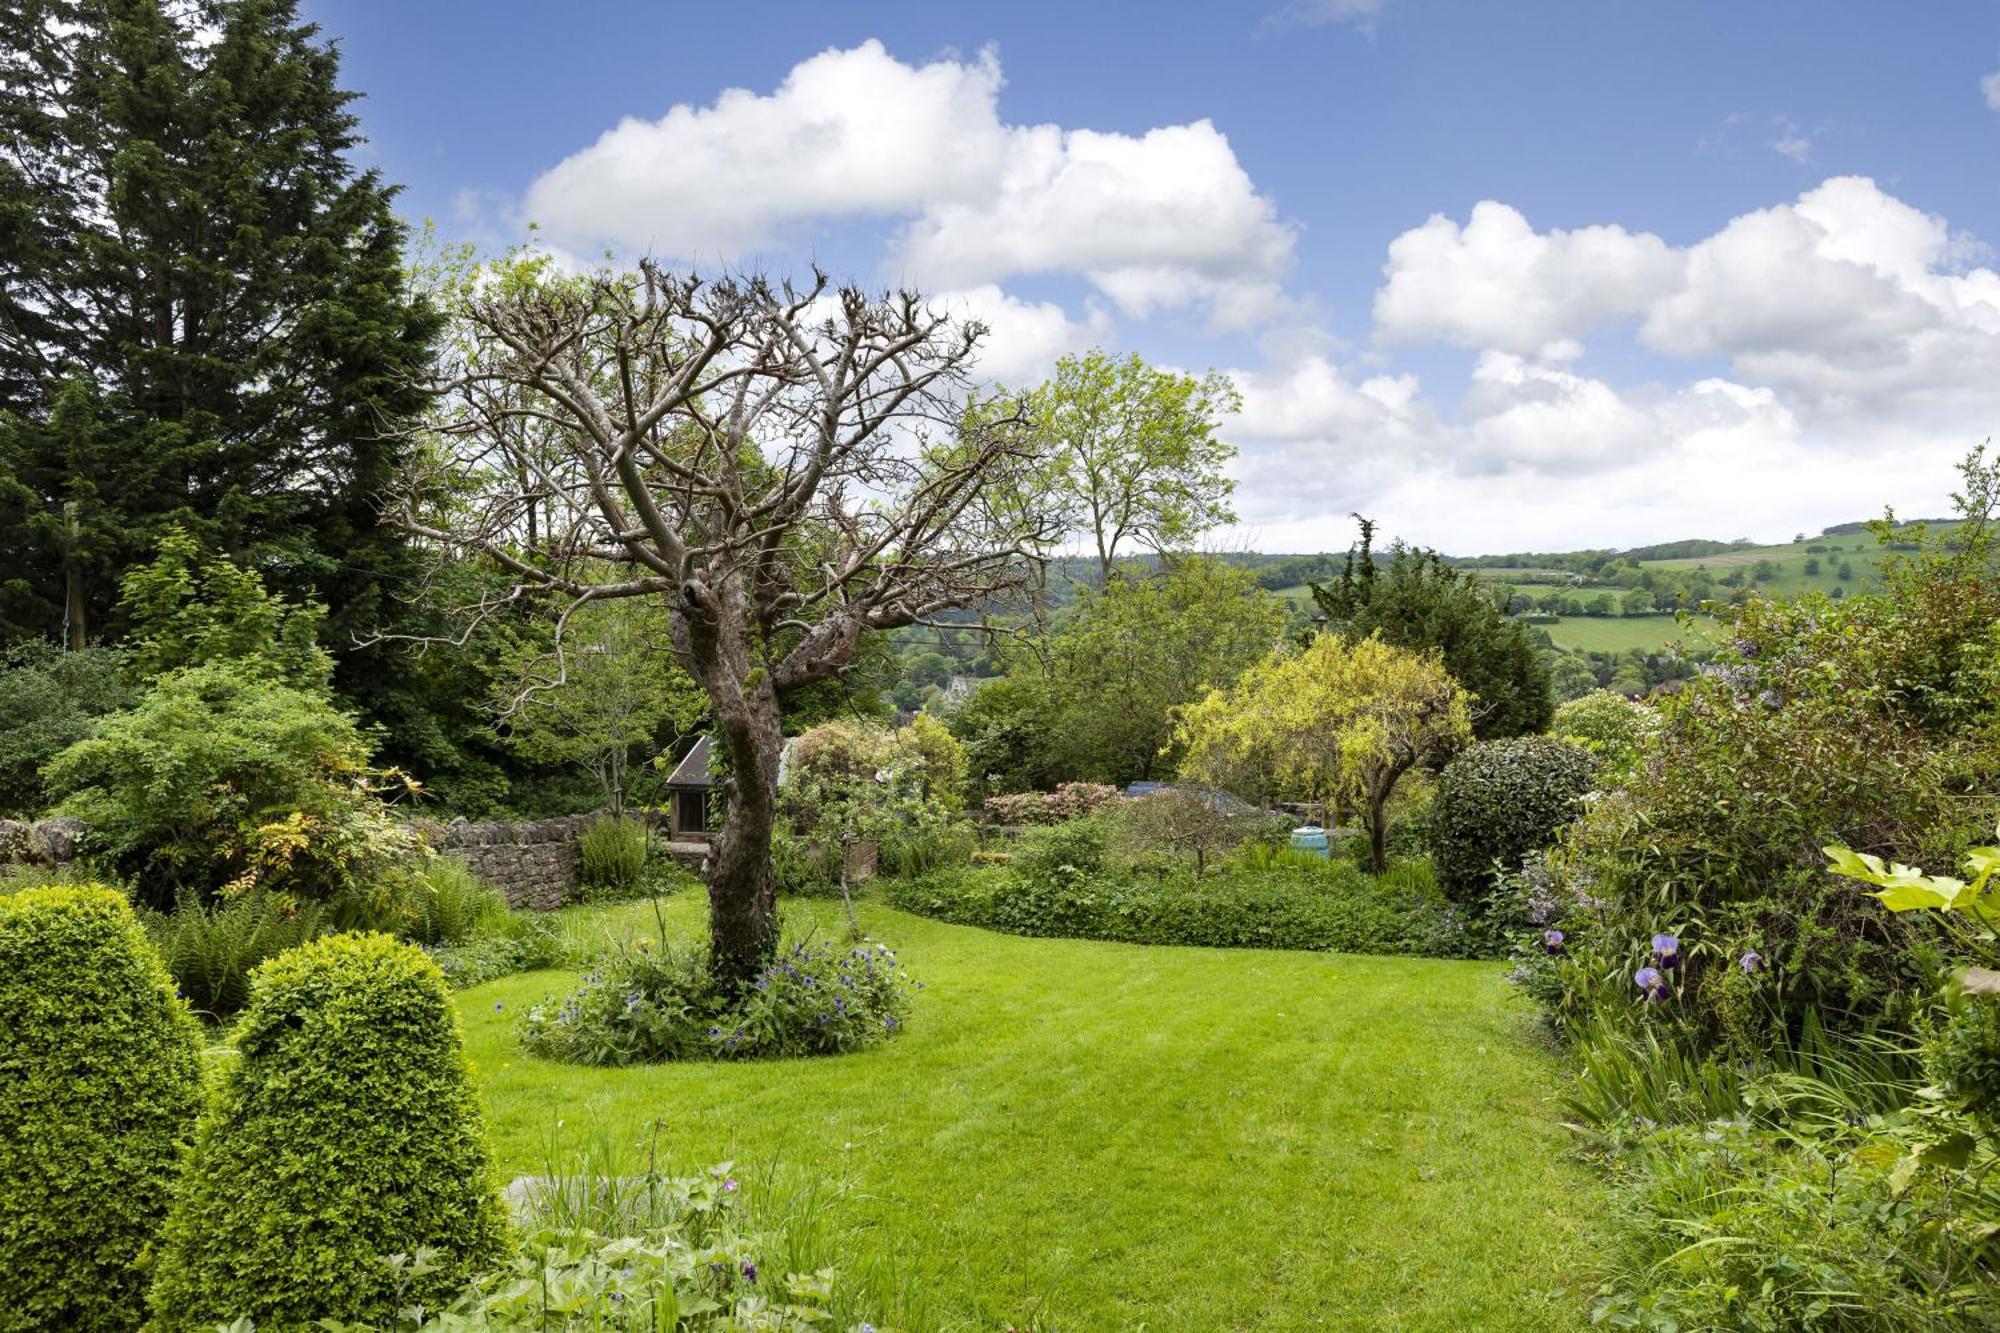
[1068,1130]
[649,1001]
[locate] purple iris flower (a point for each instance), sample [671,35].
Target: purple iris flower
[1750,962]
[1649,980]
[1552,941]
[749,1271]
[1666,951]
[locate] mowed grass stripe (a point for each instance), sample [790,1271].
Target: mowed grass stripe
[1081,1136]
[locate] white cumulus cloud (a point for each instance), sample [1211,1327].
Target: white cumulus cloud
[1854,305]
[1162,220]
[1498,283]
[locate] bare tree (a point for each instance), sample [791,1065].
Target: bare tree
[785,468]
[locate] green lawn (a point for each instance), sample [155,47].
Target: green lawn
[1099,1136]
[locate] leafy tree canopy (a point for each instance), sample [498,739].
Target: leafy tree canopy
[1418,601]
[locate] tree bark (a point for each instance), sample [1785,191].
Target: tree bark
[742,891]
[1378,834]
[712,631]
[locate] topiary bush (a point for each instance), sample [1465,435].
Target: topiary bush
[1499,801]
[100,1083]
[347,1133]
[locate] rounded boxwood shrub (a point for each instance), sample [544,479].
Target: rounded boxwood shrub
[1499,801]
[345,1134]
[100,1083]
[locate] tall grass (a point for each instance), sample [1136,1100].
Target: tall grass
[612,855]
[597,1189]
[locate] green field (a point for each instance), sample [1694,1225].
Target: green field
[1618,634]
[1095,1136]
[1861,552]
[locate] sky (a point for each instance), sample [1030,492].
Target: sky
[1503,277]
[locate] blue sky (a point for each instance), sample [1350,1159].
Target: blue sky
[1728,274]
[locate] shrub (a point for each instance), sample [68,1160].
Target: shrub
[100,1083]
[221,780]
[802,868]
[610,1243]
[933,846]
[1070,800]
[346,1133]
[1608,725]
[611,855]
[644,1006]
[1184,821]
[1060,852]
[445,902]
[1499,801]
[49,697]
[515,943]
[211,951]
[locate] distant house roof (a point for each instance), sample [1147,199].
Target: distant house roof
[693,773]
[1222,802]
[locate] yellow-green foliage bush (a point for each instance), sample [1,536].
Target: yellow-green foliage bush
[347,1132]
[100,1082]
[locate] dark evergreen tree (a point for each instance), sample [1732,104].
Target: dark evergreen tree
[204,316]
[1419,601]
[189,243]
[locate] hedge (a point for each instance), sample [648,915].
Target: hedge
[1335,908]
[346,1133]
[100,1084]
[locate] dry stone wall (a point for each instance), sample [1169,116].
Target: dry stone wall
[532,862]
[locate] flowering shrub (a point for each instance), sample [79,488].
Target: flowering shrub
[644,1006]
[1071,800]
[1610,726]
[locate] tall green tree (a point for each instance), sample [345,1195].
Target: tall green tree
[1418,601]
[1097,701]
[1134,452]
[203,314]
